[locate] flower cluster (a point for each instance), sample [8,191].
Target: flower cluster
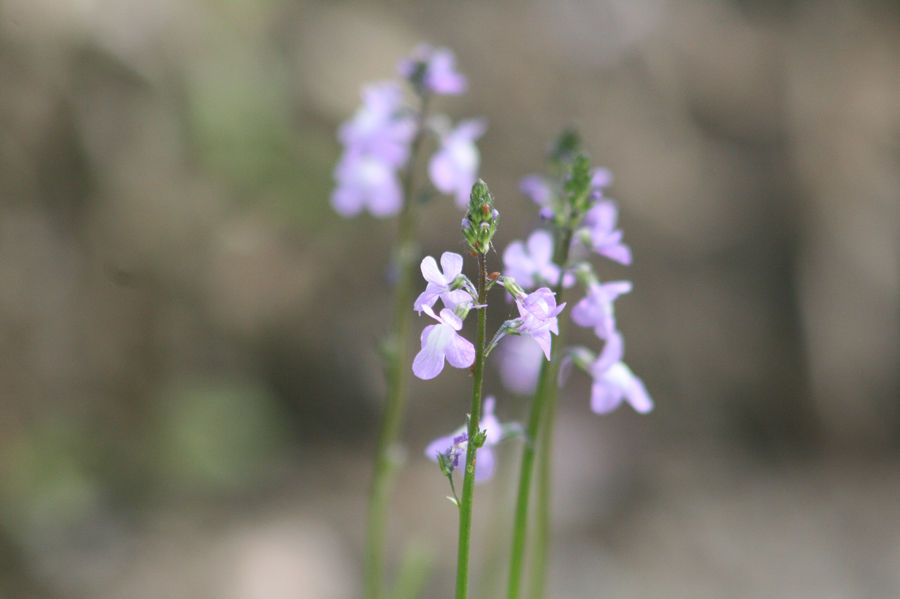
[578,203]
[379,138]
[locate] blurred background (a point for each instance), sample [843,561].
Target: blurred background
[189,392]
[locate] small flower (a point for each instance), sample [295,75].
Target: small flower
[365,181]
[454,167]
[380,127]
[440,283]
[434,69]
[601,234]
[601,178]
[534,265]
[454,445]
[519,363]
[538,189]
[440,341]
[596,308]
[538,312]
[614,383]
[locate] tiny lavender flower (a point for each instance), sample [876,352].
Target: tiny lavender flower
[434,69]
[519,363]
[441,341]
[538,189]
[453,446]
[440,284]
[380,127]
[614,383]
[454,167]
[364,181]
[596,308]
[538,312]
[601,234]
[534,265]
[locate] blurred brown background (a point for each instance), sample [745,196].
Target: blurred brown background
[189,393]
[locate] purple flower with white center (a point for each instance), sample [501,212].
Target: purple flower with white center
[538,189]
[603,236]
[439,75]
[365,181]
[440,341]
[454,445]
[614,383]
[596,308]
[454,167]
[439,283]
[519,363]
[380,127]
[538,312]
[531,264]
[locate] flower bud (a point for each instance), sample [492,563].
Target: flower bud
[480,223]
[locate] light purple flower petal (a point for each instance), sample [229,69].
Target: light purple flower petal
[519,364]
[596,308]
[617,383]
[454,167]
[538,189]
[485,464]
[452,264]
[429,362]
[460,352]
[431,272]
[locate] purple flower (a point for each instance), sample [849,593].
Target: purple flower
[441,341]
[600,178]
[538,312]
[533,265]
[380,127]
[538,189]
[364,181]
[519,363]
[602,234]
[614,383]
[439,283]
[454,445]
[438,73]
[596,308]
[454,167]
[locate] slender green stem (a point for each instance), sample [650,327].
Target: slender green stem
[468,491]
[397,348]
[545,394]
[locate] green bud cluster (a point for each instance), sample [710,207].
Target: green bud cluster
[480,222]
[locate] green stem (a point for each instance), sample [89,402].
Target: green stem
[397,348]
[545,394]
[468,491]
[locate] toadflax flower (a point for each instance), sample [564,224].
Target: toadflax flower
[454,167]
[453,446]
[376,144]
[440,341]
[614,383]
[519,364]
[531,264]
[440,283]
[601,234]
[596,308]
[434,69]
[537,317]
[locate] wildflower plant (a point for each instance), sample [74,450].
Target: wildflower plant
[578,222]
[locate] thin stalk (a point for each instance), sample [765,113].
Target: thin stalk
[397,348]
[468,491]
[544,394]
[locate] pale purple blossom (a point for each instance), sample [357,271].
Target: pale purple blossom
[441,341]
[614,383]
[439,283]
[538,189]
[365,181]
[537,317]
[439,75]
[603,236]
[380,127]
[596,308]
[454,167]
[519,363]
[601,178]
[454,445]
[531,264]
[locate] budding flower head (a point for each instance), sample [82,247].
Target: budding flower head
[480,223]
